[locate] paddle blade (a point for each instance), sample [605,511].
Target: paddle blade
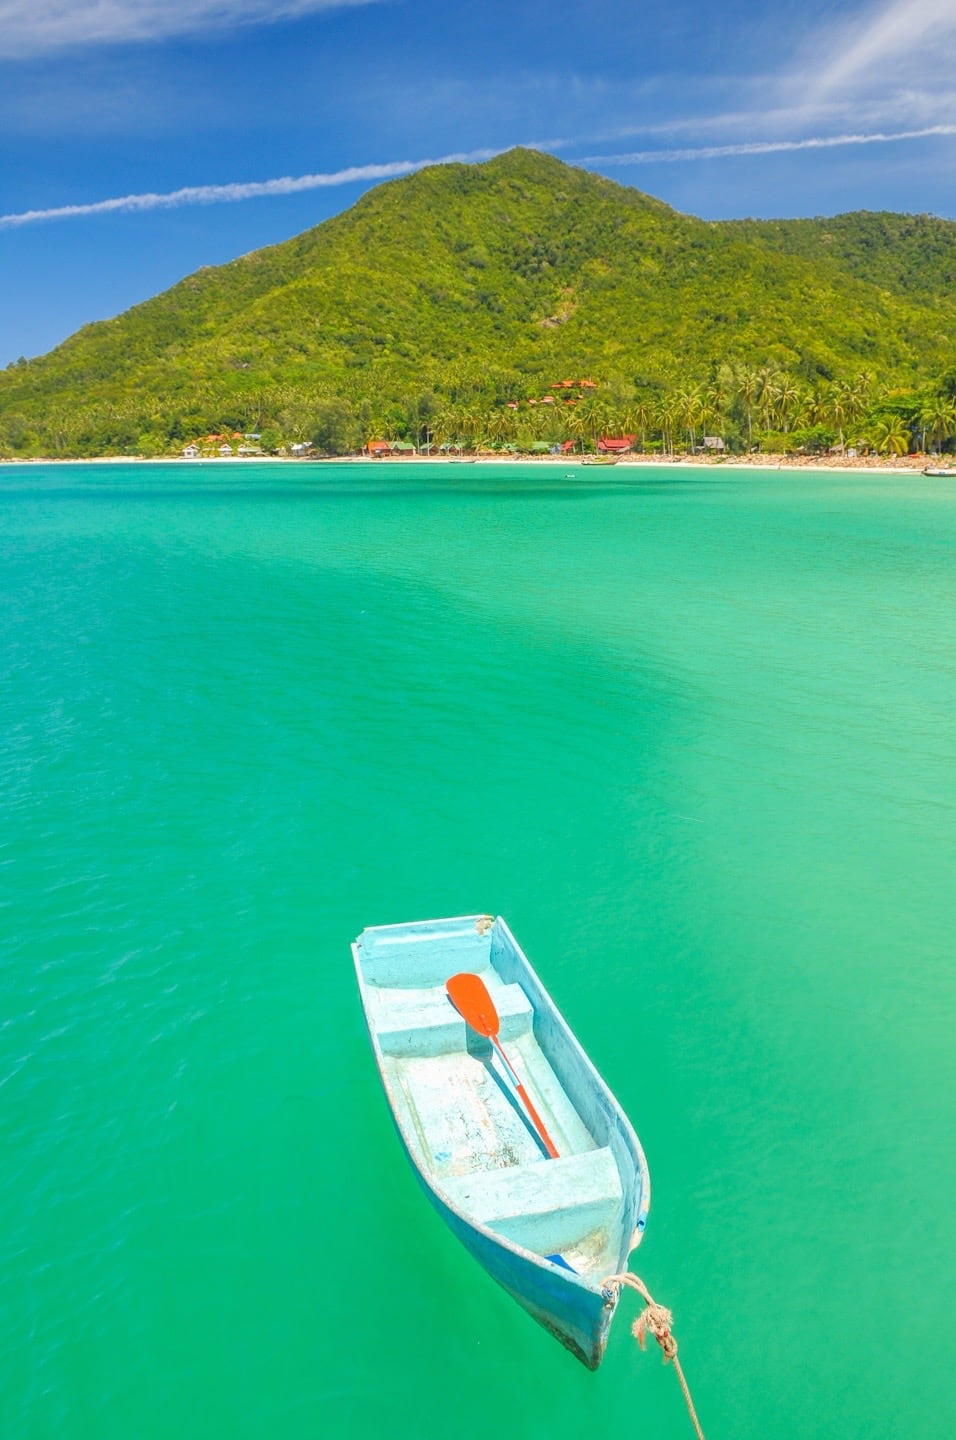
[469,995]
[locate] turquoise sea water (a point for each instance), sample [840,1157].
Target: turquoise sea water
[691,733]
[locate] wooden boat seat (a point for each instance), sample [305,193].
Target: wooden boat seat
[424,953]
[546,1205]
[425,1022]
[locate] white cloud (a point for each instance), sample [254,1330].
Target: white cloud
[879,48]
[249,190]
[904,109]
[37,27]
[761,147]
[391,169]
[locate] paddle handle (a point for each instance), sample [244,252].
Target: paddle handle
[525,1099]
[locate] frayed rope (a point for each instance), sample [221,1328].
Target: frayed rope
[656,1320]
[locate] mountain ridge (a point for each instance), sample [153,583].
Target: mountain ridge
[488,282]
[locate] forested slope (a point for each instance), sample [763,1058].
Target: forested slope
[478,285]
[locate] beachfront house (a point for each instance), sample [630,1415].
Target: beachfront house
[615,444]
[714,442]
[573,385]
[191,451]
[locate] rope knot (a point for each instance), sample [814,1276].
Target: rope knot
[656,1320]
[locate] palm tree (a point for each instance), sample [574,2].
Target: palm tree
[769,389]
[667,419]
[497,424]
[553,427]
[643,419]
[748,389]
[689,408]
[717,398]
[628,416]
[853,394]
[576,421]
[592,416]
[835,408]
[861,386]
[473,425]
[803,408]
[441,426]
[511,427]
[788,400]
[538,419]
[891,435]
[937,419]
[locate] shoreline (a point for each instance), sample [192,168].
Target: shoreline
[881,465]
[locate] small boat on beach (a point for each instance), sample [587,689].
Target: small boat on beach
[599,460]
[946,472]
[523,1151]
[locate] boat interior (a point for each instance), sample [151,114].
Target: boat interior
[459,1113]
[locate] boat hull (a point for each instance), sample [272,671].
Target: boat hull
[514,1211]
[578,1317]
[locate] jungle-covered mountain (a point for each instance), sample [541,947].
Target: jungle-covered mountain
[483,284]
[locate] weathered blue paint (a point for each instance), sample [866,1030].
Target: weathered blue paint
[549,1231]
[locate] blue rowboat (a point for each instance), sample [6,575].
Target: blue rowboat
[548,1230]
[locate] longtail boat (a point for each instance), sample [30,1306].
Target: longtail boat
[517,1141]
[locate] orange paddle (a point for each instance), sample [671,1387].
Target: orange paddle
[469,995]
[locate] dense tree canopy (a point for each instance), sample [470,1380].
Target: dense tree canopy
[443,307]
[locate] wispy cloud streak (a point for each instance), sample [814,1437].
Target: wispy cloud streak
[874,50]
[390,170]
[250,190]
[763,147]
[37,27]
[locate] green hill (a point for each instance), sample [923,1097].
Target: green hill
[471,286]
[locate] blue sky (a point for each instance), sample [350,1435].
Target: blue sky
[224,125]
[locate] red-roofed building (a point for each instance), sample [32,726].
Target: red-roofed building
[615,445]
[378,447]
